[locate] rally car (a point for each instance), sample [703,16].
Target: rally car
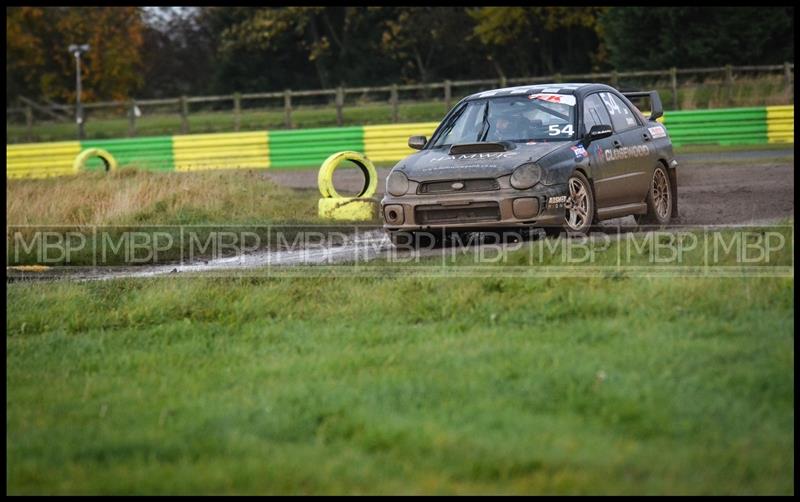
[554,156]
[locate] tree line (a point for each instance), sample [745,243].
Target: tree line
[159,52]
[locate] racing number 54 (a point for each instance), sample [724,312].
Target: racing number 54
[554,130]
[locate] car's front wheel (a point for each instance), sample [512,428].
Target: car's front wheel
[580,204]
[659,199]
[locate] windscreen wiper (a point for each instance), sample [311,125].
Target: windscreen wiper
[482,135]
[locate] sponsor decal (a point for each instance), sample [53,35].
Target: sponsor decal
[564,99]
[657,132]
[629,120]
[550,90]
[599,151]
[475,156]
[579,151]
[611,104]
[627,152]
[556,201]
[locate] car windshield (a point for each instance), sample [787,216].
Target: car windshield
[531,118]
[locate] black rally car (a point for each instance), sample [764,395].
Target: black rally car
[552,156]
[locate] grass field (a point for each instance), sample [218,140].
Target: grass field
[251,120]
[745,91]
[613,385]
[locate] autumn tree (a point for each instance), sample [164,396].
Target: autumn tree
[178,53]
[540,40]
[38,64]
[431,43]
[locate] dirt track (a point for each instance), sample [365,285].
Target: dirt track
[735,194]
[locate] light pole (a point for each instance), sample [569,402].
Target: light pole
[76,51]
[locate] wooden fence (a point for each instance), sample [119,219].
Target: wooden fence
[447,89]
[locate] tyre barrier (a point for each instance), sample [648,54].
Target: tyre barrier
[332,205]
[108,160]
[347,208]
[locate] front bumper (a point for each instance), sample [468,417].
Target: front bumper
[504,207]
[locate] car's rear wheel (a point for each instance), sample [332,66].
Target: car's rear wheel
[659,199]
[580,204]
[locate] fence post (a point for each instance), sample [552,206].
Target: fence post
[787,74]
[557,78]
[29,122]
[339,105]
[132,118]
[729,84]
[184,115]
[448,93]
[287,108]
[237,111]
[673,80]
[614,79]
[503,81]
[394,101]
[81,120]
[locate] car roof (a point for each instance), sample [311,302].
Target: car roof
[554,88]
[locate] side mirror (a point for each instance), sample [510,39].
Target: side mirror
[417,142]
[597,132]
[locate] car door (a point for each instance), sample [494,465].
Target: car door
[630,156]
[605,172]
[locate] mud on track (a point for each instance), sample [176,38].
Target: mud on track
[739,189]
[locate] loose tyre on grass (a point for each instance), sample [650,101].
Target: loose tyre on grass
[109,162]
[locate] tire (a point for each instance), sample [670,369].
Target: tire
[659,199]
[580,213]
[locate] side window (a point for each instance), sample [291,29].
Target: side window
[594,113]
[622,118]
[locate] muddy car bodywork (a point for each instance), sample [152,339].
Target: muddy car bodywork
[469,186]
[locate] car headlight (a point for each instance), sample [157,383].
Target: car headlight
[397,183]
[525,176]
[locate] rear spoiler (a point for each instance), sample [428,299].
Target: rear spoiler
[656,110]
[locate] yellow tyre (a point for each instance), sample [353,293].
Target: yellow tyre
[325,176]
[348,208]
[108,159]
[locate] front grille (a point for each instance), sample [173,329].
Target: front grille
[477,211]
[479,185]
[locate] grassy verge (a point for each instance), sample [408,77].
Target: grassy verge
[211,122]
[402,385]
[128,199]
[731,148]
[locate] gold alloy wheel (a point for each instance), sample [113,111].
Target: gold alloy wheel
[578,211]
[661,194]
